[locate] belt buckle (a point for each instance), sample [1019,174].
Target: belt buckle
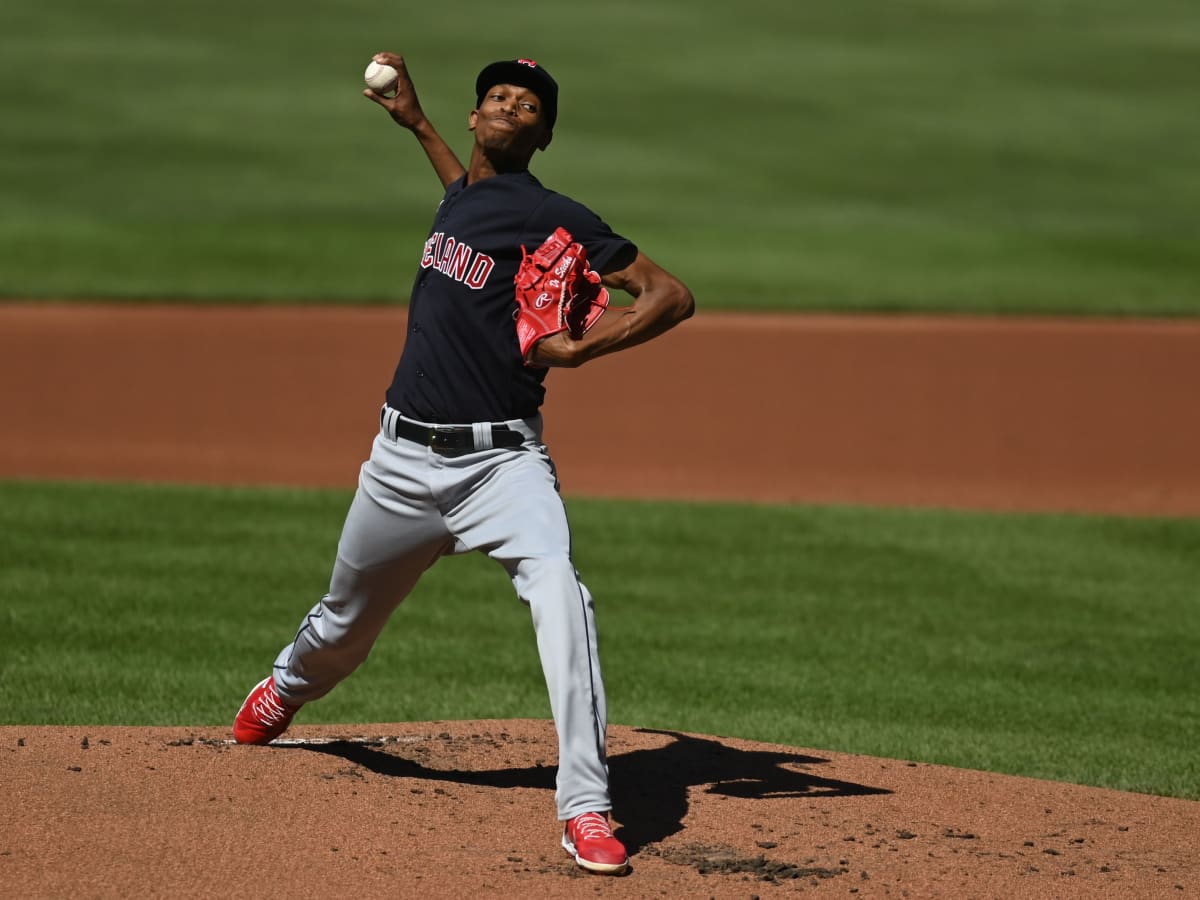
[443,439]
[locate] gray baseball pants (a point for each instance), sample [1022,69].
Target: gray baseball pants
[414,505]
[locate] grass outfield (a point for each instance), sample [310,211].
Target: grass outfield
[1050,646]
[1004,155]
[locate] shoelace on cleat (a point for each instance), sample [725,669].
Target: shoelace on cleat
[268,709]
[591,826]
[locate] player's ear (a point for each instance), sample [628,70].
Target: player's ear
[545,142]
[472,119]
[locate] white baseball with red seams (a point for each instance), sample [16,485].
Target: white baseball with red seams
[381,78]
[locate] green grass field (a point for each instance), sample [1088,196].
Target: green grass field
[997,155]
[1055,646]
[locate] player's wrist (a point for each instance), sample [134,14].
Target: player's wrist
[558,350]
[415,121]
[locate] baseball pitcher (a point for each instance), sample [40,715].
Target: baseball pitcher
[513,279]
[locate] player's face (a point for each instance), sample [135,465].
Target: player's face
[510,119]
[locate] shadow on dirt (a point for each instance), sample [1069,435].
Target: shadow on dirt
[650,787]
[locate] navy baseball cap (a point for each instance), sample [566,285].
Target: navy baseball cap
[524,73]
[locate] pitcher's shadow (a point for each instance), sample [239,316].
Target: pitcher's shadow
[649,787]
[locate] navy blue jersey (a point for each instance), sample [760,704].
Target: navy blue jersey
[461,362]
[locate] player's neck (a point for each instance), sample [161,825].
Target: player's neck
[486,165]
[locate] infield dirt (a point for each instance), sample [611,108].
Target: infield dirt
[1089,416]
[1004,415]
[465,809]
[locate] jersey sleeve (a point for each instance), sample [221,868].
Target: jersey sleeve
[606,250]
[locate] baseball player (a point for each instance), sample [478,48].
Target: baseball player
[513,279]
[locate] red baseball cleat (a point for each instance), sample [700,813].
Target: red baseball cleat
[263,716]
[590,840]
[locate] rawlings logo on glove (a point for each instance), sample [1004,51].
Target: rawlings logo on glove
[556,291]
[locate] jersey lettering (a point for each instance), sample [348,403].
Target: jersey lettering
[444,255]
[457,261]
[456,268]
[480,271]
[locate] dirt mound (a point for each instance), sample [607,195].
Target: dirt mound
[453,809]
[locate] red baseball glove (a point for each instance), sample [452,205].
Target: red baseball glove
[556,291]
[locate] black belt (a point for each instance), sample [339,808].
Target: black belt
[454,438]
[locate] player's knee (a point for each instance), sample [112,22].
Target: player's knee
[546,578]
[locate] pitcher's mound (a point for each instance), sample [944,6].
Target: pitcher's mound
[466,809]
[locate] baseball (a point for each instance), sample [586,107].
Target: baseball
[380,78]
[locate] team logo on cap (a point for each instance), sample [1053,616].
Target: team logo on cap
[532,63]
